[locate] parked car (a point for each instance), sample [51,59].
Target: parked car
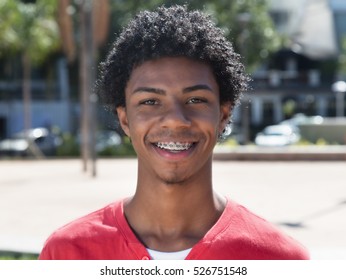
[277,136]
[42,138]
[300,118]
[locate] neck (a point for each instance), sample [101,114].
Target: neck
[173,217]
[163,198]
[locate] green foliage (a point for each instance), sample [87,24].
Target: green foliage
[28,28]
[342,57]
[229,142]
[303,142]
[8,36]
[246,23]
[33,27]
[321,142]
[17,256]
[69,147]
[289,108]
[123,150]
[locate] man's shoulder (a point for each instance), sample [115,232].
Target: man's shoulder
[249,232]
[100,225]
[101,219]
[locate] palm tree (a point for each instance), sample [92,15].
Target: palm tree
[29,30]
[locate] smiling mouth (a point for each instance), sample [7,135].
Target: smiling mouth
[174,146]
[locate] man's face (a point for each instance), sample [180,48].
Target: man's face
[173,117]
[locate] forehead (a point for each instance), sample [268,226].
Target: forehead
[172,71]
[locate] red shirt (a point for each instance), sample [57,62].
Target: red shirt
[237,235]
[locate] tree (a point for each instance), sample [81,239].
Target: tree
[246,23]
[342,59]
[92,29]
[29,29]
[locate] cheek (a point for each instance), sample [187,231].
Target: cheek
[209,116]
[209,121]
[141,122]
[139,125]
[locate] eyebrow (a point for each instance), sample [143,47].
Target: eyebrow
[197,87]
[149,89]
[162,92]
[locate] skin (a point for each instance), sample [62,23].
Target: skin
[173,100]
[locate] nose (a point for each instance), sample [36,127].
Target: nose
[176,116]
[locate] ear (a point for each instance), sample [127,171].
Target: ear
[122,116]
[225,112]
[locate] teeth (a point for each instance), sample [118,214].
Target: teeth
[174,146]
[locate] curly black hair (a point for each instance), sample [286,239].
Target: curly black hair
[172,32]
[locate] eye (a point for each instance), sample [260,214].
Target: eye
[196,100]
[149,102]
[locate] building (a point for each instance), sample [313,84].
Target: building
[299,77]
[50,92]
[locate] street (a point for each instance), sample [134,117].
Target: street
[306,199]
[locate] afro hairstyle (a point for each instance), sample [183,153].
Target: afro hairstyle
[170,32]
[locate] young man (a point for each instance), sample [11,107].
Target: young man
[172,79]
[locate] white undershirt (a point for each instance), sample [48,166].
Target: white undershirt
[157,255]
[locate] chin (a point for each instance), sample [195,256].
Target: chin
[171,182]
[173,179]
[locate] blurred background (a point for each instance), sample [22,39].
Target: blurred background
[294,51]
